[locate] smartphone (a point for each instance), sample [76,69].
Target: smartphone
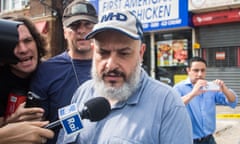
[33,100]
[211,87]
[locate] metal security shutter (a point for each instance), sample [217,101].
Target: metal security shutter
[223,35]
[231,56]
[230,76]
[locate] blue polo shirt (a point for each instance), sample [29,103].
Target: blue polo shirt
[202,108]
[154,114]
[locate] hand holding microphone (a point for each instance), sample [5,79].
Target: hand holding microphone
[70,118]
[25,132]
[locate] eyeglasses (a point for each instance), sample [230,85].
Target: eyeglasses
[85,24]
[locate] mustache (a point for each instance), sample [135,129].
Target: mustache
[114,72]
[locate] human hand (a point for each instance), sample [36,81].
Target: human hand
[25,133]
[197,88]
[220,83]
[231,97]
[26,114]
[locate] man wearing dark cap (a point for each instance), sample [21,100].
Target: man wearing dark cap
[57,79]
[143,110]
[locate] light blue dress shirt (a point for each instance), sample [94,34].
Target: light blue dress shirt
[202,108]
[154,114]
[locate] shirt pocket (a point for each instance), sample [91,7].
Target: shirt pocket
[210,98]
[118,140]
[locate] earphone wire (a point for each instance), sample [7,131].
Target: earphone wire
[75,72]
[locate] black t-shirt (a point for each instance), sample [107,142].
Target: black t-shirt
[8,83]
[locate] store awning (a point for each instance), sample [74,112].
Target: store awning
[218,17]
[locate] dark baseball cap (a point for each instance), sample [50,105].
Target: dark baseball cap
[79,10]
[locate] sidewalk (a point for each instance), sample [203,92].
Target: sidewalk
[228,125]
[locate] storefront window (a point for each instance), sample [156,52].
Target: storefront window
[173,49]
[147,55]
[9,5]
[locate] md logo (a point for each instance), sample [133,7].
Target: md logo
[114,16]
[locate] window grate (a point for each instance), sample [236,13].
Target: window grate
[230,58]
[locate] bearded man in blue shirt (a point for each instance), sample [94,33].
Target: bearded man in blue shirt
[143,110]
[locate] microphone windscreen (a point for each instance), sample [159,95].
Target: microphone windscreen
[97,108]
[8,40]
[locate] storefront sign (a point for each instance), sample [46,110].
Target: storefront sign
[179,77]
[204,4]
[216,17]
[220,55]
[154,14]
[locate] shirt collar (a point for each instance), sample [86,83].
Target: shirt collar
[188,82]
[135,97]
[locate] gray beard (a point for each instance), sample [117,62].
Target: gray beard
[120,94]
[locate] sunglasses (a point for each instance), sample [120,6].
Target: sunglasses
[82,23]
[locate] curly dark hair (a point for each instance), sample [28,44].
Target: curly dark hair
[39,39]
[37,36]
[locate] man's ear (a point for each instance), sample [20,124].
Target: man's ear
[65,33]
[92,44]
[142,50]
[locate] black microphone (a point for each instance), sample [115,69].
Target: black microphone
[8,40]
[94,109]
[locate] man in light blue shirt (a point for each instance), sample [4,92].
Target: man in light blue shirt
[201,101]
[143,110]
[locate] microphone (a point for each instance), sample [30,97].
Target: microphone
[94,109]
[8,40]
